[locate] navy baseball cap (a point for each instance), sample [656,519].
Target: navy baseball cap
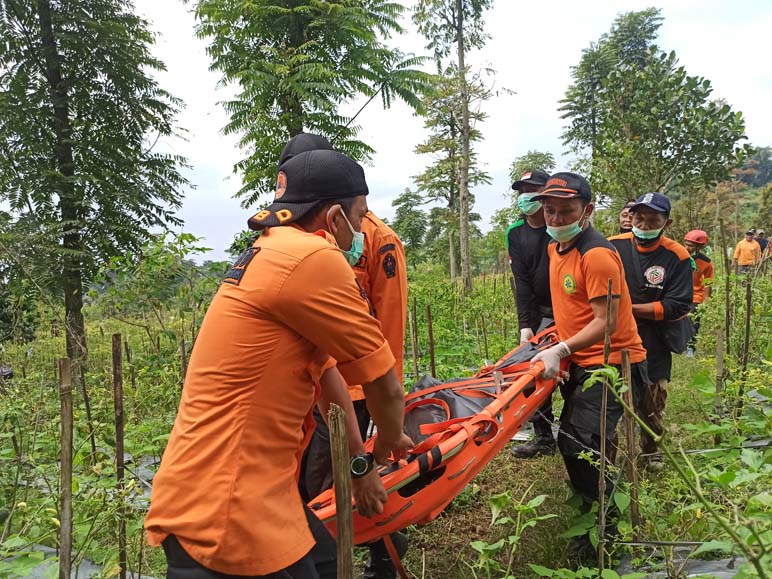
[301,143]
[566,186]
[538,178]
[656,201]
[305,181]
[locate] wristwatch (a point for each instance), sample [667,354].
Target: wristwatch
[361,464]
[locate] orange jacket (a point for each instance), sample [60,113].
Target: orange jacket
[382,273]
[227,486]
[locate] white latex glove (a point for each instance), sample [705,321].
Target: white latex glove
[525,335]
[551,359]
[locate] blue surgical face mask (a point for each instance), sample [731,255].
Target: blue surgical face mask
[647,234]
[357,243]
[527,206]
[565,233]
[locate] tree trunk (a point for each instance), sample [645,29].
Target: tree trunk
[452,254]
[463,177]
[70,205]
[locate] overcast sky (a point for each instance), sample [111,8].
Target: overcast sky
[532,47]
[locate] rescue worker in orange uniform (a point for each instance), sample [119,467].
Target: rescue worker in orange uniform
[702,278]
[381,272]
[225,500]
[582,262]
[747,254]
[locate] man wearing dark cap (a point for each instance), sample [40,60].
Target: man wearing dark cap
[582,262]
[225,500]
[527,242]
[382,275]
[747,254]
[659,275]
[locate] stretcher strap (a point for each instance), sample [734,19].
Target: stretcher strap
[392,551]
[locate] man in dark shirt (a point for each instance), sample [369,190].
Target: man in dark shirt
[762,240]
[626,218]
[659,274]
[527,242]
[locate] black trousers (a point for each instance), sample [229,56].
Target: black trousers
[319,563]
[580,426]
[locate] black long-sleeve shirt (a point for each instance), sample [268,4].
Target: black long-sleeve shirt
[664,279]
[531,267]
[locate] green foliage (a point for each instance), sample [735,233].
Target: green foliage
[648,124]
[531,161]
[757,168]
[118,186]
[295,63]
[438,21]
[410,223]
[241,242]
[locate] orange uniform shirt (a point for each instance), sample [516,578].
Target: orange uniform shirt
[580,275]
[747,252]
[227,483]
[382,273]
[703,276]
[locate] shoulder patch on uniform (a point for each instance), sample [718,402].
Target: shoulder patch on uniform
[390,265]
[515,225]
[236,272]
[387,247]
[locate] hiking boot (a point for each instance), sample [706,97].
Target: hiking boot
[537,447]
[379,564]
[690,352]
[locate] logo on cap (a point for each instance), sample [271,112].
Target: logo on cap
[281,185]
[647,198]
[526,176]
[558,182]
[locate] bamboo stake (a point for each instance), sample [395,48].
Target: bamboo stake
[132,372]
[719,377]
[414,341]
[65,485]
[119,454]
[183,363]
[341,470]
[603,417]
[485,337]
[632,449]
[746,345]
[431,340]
[727,291]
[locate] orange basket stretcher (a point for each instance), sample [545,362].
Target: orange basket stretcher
[453,450]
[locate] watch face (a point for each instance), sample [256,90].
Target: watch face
[359,465]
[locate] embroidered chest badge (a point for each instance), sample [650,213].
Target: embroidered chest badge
[655,275]
[569,283]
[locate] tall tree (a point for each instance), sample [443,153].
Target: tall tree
[410,223]
[440,181]
[295,62]
[648,124]
[758,167]
[531,161]
[449,24]
[79,112]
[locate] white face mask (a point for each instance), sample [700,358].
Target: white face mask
[565,233]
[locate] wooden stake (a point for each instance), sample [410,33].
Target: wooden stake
[80,377]
[603,417]
[414,341]
[498,380]
[485,337]
[719,378]
[514,290]
[119,454]
[341,470]
[132,371]
[183,362]
[632,447]
[746,345]
[727,291]
[65,484]
[431,340]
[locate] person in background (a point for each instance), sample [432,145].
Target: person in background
[747,254]
[761,239]
[626,217]
[582,262]
[702,278]
[225,500]
[658,271]
[379,266]
[527,242]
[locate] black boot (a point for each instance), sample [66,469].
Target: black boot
[543,442]
[379,565]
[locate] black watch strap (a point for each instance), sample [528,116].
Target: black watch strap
[361,464]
